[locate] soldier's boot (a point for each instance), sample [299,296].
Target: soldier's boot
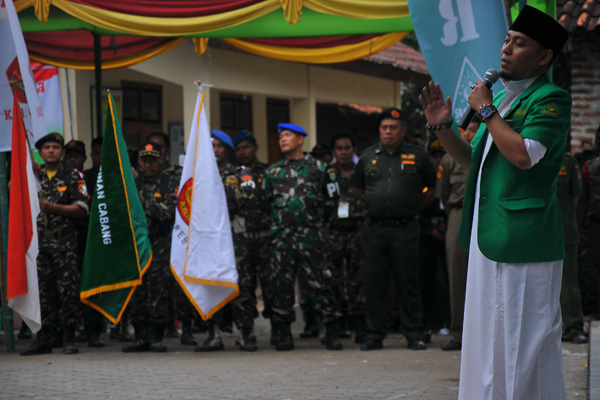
[171,330]
[344,333]
[187,337]
[213,342]
[156,336]
[56,339]
[140,341]
[332,339]
[124,335]
[69,346]
[41,345]
[286,340]
[359,328]
[24,331]
[275,333]
[245,341]
[311,327]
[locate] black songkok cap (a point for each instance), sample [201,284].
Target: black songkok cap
[542,28]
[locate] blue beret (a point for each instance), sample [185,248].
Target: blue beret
[223,137]
[242,135]
[292,127]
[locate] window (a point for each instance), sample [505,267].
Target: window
[236,112]
[142,102]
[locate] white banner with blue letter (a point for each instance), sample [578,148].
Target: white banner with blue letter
[460,40]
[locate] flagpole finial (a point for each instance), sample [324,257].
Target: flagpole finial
[200,85]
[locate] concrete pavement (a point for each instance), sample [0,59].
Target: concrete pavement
[309,372]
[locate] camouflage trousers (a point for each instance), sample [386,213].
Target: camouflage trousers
[181,306]
[348,269]
[307,262]
[150,300]
[59,277]
[252,262]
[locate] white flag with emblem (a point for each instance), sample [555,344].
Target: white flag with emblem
[202,256]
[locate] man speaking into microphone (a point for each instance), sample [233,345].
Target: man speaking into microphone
[511,222]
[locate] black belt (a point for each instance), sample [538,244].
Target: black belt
[456,206]
[257,234]
[393,221]
[56,233]
[345,224]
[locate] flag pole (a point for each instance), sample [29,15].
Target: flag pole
[7,313]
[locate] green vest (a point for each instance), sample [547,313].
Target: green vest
[519,213]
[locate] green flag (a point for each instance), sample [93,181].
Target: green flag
[118,250]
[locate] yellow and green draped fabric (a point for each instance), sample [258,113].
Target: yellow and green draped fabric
[118,249]
[136,30]
[59,32]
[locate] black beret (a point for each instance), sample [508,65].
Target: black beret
[51,137]
[390,113]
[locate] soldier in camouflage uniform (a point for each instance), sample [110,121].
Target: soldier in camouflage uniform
[180,306]
[149,307]
[345,244]
[63,197]
[93,321]
[222,146]
[250,222]
[297,190]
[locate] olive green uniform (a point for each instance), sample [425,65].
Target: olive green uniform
[569,187]
[393,186]
[451,189]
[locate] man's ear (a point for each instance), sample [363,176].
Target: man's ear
[546,57]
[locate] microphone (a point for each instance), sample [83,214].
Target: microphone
[490,77]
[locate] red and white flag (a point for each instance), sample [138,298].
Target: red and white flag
[21,267]
[16,78]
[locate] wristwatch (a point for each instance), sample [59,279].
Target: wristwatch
[486,111]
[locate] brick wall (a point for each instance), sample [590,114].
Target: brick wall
[585,90]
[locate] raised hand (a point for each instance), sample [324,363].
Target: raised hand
[436,110]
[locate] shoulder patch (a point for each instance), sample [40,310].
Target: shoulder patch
[331,173]
[551,110]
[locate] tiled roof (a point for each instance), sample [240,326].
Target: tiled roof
[579,15]
[401,56]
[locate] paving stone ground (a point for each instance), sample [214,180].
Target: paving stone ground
[309,372]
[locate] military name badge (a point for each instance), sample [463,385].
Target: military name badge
[184,201]
[563,170]
[343,209]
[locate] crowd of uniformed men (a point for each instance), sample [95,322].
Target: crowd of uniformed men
[359,243]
